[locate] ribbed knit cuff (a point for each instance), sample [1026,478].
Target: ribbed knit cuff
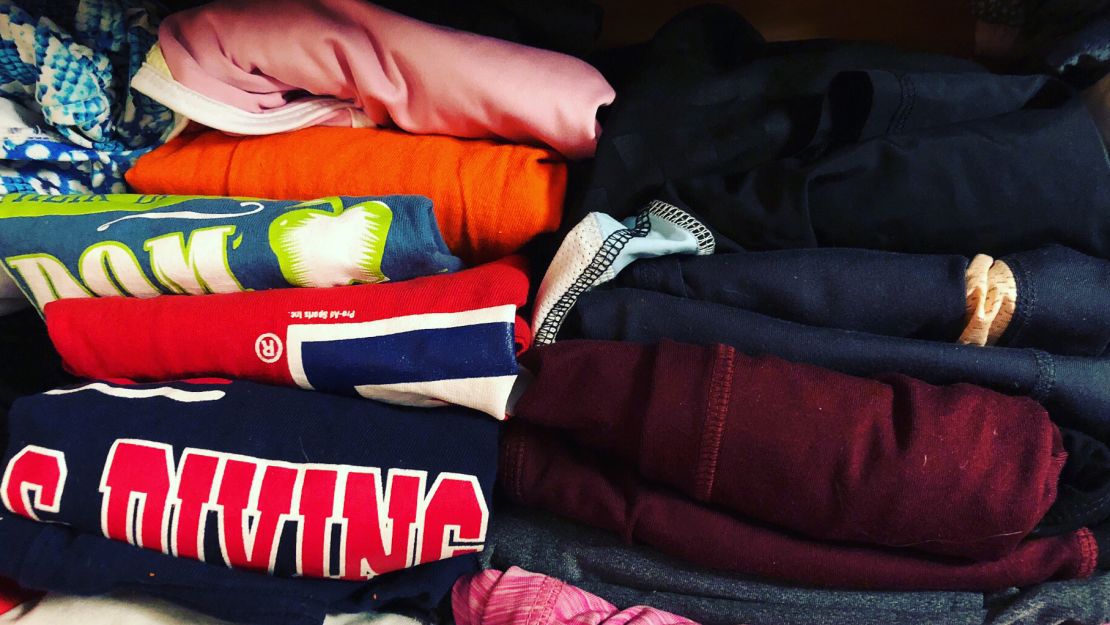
[1102,540]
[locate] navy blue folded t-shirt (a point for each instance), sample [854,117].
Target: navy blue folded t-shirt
[56,558]
[274,480]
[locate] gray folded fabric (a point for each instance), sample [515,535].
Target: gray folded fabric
[1072,602]
[625,575]
[129,609]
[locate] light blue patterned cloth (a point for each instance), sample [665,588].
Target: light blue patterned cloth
[599,247]
[81,126]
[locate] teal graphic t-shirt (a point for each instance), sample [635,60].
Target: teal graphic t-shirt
[64,246]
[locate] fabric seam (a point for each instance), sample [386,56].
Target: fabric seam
[720,393]
[607,254]
[518,468]
[1026,301]
[1088,552]
[906,95]
[543,604]
[1046,375]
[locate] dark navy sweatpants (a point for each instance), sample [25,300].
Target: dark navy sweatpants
[1063,302]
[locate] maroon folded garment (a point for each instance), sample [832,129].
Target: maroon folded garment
[953,470]
[539,469]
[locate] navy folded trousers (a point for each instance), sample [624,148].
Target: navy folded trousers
[1063,296]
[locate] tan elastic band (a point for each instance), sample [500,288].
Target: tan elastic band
[991,300]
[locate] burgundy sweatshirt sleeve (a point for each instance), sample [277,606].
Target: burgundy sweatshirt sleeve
[538,469]
[954,470]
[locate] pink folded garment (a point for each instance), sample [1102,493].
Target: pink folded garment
[244,67]
[517,597]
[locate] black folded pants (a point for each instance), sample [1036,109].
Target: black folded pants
[1063,296]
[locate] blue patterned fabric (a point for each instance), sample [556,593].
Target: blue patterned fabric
[92,126]
[38,161]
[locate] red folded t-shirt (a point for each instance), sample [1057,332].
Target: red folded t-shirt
[449,338]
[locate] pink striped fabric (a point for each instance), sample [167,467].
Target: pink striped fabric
[517,597]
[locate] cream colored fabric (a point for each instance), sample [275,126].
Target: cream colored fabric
[136,610]
[991,300]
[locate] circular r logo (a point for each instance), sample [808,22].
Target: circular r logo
[268,348]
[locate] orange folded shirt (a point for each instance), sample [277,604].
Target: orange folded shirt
[490,198]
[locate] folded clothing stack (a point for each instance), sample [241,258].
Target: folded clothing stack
[884,307]
[826,327]
[153,462]
[824,456]
[366,326]
[377,287]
